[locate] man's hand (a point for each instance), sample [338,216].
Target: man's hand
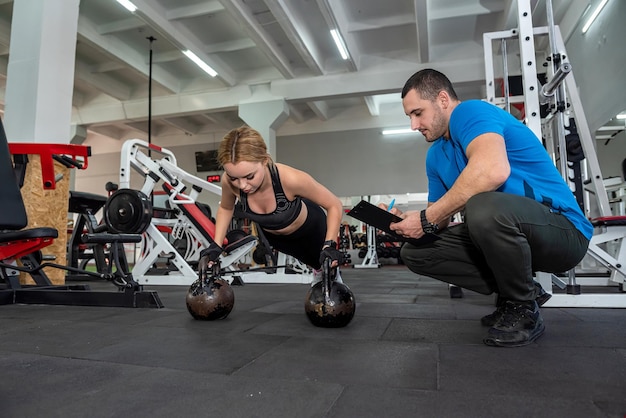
[208,257]
[410,226]
[393,210]
[329,250]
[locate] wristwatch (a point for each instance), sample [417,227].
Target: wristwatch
[427,227]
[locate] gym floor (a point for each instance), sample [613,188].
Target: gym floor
[410,351]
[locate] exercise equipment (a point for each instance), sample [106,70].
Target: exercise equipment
[128,211]
[20,248]
[563,121]
[187,224]
[79,254]
[370,258]
[328,303]
[210,298]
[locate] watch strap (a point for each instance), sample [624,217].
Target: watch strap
[427,227]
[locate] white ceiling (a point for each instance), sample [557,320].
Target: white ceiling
[274,48]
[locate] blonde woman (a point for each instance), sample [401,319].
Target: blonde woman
[299,216]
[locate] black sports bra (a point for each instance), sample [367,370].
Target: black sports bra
[286,210]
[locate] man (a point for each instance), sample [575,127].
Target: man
[519,214]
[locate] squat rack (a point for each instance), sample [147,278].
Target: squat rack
[546,107]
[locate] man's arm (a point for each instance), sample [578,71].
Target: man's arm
[487,169]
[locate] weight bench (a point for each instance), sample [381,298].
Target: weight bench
[235,245]
[608,248]
[197,230]
[188,222]
[23,246]
[79,254]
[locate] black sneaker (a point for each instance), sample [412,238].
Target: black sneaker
[521,324]
[491,319]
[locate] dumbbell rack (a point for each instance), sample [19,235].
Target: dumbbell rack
[371,257]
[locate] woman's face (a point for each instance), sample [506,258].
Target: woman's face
[245,175]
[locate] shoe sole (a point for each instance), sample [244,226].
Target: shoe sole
[492,342]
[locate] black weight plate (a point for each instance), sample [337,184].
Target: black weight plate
[128,211]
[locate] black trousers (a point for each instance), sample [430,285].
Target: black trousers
[504,239]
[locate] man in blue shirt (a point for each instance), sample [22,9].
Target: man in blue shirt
[519,214]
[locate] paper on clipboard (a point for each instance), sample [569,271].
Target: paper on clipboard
[381,219]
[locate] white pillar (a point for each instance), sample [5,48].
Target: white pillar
[265,113]
[40,73]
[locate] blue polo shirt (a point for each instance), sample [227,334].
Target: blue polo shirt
[533,174]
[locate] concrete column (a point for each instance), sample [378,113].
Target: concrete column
[265,113]
[40,73]
[78,134]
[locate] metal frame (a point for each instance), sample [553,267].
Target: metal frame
[561,89]
[155,244]
[371,257]
[24,245]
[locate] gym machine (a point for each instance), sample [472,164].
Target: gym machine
[553,110]
[371,256]
[20,247]
[128,211]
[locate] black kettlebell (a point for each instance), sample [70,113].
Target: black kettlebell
[210,298]
[329,304]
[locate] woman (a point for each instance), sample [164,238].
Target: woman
[288,204]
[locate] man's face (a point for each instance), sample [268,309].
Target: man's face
[426,116]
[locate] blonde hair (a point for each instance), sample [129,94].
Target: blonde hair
[242,144]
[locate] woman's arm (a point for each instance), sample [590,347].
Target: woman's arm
[224,212]
[298,183]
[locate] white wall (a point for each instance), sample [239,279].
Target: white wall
[598,60]
[359,163]
[611,155]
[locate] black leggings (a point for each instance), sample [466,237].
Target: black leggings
[306,242]
[505,239]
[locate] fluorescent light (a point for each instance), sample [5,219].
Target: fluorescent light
[621,116]
[129,6]
[339,42]
[397,131]
[200,63]
[594,15]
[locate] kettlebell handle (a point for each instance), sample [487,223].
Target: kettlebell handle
[326,282]
[215,274]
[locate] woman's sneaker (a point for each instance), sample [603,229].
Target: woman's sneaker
[317,276]
[337,276]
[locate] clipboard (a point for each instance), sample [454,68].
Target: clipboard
[381,219]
